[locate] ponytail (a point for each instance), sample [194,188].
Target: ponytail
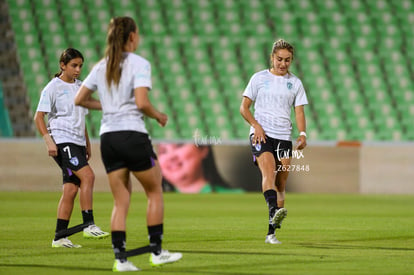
[118,34]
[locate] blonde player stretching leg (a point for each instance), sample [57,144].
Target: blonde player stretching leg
[275,91]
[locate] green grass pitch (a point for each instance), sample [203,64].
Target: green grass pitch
[221,234]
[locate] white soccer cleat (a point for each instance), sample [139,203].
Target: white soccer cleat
[164,258]
[277,219]
[64,242]
[125,266]
[94,232]
[272,239]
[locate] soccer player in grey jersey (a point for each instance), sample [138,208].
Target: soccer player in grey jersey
[123,80]
[275,92]
[68,143]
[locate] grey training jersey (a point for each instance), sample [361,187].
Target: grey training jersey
[66,122]
[120,112]
[274,97]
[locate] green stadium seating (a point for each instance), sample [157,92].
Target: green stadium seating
[6,129]
[353,57]
[203,21]
[152,18]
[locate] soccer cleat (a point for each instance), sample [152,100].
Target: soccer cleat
[124,266]
[277,219]
[94,232]
[64,242]
[164,258]
[272,239]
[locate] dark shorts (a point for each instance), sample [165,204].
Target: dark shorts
[127,149]
[279,148]
[71,157]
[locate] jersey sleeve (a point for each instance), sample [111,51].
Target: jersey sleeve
[90,81]
[142,76]
[85,111]
[301,98]
[251,89]
[46,99]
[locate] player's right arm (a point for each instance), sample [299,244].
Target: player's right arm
[259,134]
[39,120]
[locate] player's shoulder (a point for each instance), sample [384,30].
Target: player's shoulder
[135,58]
[78,82]
[57,84]
[260,74]
[54,80]
[52,83]
[100,64]
[292,77]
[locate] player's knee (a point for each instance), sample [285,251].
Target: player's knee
[153,189]
[90,178]
[268,177]
[87,177]
[69,191]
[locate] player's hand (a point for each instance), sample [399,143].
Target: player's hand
[300,143]
[259,135]
[88,152]
[51,146]
[162,119]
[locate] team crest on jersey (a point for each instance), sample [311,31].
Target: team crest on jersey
[289,85]
[74,161]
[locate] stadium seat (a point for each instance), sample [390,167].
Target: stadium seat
[229,16]
[177,18]
[6,129]
[252,17]
[203,22]
[152,21]
[203,54]
[124,8]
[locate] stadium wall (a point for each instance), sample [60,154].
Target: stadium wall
[375,168]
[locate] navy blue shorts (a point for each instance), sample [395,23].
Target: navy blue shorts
[279,148]
[71,157]
[127,149]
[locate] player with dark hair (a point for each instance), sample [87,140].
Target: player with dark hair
[67,141]
[275,92]
[123,80]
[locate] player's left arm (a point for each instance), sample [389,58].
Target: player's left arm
[84,98]
[144,104]
[88,145]
[301,124]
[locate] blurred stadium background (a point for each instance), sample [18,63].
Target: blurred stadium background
[354,57]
